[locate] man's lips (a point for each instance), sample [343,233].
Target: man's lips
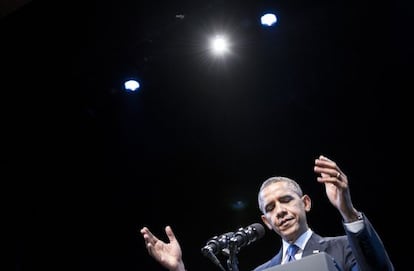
[284,221]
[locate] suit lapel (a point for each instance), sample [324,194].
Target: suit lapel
[277,259]
[315,245]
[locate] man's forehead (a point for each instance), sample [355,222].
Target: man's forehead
[276,188]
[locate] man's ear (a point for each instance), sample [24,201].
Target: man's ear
[268,225]
[307,202]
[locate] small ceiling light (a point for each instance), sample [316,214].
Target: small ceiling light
[268,19]
[219,45]
[131,85]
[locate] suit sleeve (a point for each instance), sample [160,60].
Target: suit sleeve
[368,249]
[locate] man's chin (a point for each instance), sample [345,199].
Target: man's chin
[289,231]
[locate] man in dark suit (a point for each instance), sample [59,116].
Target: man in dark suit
[284,208]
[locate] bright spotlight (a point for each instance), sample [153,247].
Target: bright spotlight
[131,85]
[268,19]
[219,45]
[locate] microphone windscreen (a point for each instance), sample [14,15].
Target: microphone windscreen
[259,229]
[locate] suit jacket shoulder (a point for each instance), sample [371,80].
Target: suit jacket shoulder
[354,251]
[336,246]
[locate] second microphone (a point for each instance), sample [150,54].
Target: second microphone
[239,239]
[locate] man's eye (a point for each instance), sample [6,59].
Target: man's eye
[285,199]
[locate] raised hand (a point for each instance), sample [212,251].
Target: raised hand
[168,254]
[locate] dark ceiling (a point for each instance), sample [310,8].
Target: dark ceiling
[88,165]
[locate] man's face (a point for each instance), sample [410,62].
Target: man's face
[284,210]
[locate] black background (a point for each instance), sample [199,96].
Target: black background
[87,165]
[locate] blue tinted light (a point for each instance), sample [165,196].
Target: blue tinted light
[268,19]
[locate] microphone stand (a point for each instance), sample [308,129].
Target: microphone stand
[232,260]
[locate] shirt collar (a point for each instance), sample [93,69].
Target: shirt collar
[300,242]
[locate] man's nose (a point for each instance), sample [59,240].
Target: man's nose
[280,210]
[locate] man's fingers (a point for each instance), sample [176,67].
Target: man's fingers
[170,233]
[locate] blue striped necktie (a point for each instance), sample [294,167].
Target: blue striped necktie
[291,251]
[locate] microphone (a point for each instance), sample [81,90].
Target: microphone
[214,246]
[245,236]
[241,238]
[232,242]
[217,243]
